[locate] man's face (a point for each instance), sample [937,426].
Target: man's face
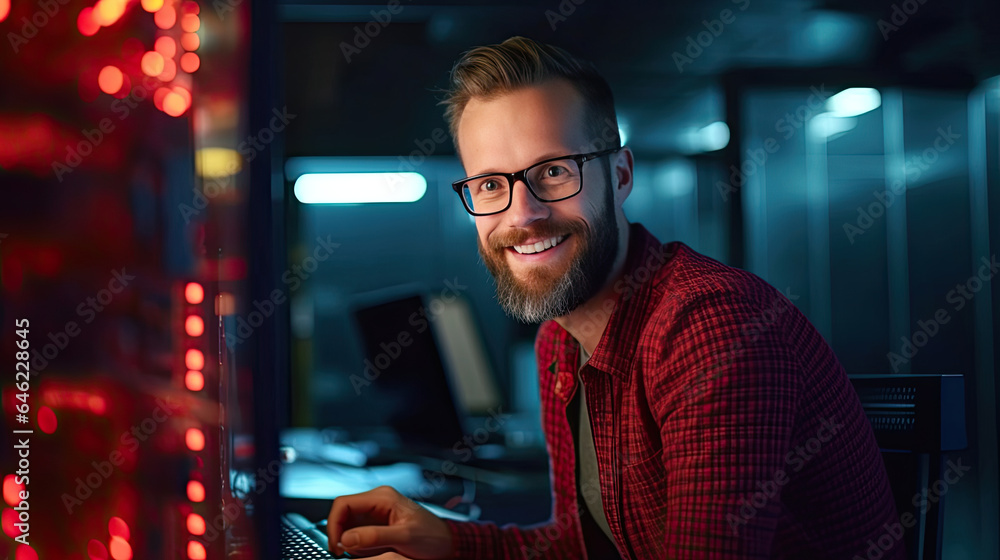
[510,133]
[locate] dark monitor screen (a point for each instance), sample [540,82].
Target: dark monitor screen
[404,375]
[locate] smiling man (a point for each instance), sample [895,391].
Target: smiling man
[690,410]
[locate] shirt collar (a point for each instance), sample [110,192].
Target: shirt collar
[616,350]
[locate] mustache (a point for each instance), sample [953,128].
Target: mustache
[502,240]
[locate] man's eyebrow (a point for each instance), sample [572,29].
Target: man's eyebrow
[548,155]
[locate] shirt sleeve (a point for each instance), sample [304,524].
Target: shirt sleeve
[484,540]
[559,538]
[724,395]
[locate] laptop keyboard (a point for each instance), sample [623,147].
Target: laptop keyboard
[295,545]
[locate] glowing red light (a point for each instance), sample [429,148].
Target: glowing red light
[165,46]
[12,490]
[165,17]
[9,518]
[96,550]
[191,7]
[194,325]
[194,293]
[107,12]
[4,9]
[190,41]
[118,528]
[196,551]
[25,553]
[158,96]
[96,404]
[194,359]
[47,420]
[195,439]
[190,22]
[120,549]
[152,64]
[169,70]
[174,105]
[86,23]
[110,79]
[195,491]
[190,62]
[67,398]
[195,524]
[183,92]
[194,381]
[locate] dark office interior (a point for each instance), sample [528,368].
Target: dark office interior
[219,333]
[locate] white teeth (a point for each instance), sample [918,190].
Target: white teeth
[539,246]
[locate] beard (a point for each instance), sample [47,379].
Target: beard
[549,291]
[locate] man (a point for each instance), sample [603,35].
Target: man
[690,410]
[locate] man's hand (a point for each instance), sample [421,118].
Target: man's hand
[383,520]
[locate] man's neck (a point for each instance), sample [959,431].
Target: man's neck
[587,322]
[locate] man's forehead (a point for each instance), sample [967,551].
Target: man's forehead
[525,124]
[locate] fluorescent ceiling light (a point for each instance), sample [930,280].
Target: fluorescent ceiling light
[825,125]
[359,188]
[714,136]
[709,138]
[853,102]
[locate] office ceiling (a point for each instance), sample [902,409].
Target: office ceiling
[666,61]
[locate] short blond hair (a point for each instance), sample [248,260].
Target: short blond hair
[492,70]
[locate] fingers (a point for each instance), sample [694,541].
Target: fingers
[368,508]
[389,556]
[371,539]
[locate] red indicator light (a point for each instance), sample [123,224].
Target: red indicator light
[195,439]
[194,380]
[118,528]
[196,551]
[11,490]
[194,359]
[120,549]
[47,419]
[195,524]
[194,293]
[195,491]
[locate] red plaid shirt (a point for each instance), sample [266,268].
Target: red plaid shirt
[724,426]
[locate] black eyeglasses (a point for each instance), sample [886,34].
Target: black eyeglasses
[550,180]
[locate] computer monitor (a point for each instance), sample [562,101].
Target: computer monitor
[403,375]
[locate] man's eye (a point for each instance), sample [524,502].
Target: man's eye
[556,171]
[490,185]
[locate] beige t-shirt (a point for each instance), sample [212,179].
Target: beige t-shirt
[587,457]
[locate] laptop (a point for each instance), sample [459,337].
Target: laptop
[302,539]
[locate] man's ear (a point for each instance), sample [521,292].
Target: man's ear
[622,171]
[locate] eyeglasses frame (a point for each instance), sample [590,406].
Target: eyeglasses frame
[522,176]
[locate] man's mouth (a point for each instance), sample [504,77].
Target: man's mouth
[539,246]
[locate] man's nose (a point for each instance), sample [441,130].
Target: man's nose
[524,207]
